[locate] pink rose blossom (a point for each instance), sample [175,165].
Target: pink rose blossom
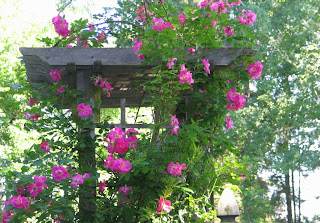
[20,190]
[171,63]
[243,176]
[233,3]
[69,46]
[192,50]
[185,75]
[32,117]
[163,205]
[59,173]
[258,42]
[102,186]
[60,90]
[218,6]
[55,75]
[61,26]
[137,46]
[6,217]
[175,168]
[247,18]
[141,56]
[158,24]
[34,190]
[76,180]
[85,44]
[84,110]
[118,143]
[228,31]
[132,138]
[214,22]
[160,1]
[109,162]
[40,181]
[91,26]
[124,190]
[255,70]
[101,38]
[20,202]
[206,65]
[174,122]
[122,146]
[122,166]
[31,102]
[86,175]
[237,101]
[231,95]
[229,123]
[181,18]
[44,146]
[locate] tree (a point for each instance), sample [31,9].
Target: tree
[282,130]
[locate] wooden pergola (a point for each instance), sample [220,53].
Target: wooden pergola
[121,68]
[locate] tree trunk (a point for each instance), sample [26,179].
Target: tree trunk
[288,197]
[293,198]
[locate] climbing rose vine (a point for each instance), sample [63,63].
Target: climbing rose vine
[79,162]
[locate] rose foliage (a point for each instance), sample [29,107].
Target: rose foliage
[168,174]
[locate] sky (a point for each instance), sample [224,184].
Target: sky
[41,13]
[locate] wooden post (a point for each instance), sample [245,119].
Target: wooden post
[86,150]
[228,208]
[123,113]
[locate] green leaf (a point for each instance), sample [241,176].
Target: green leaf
[145,169]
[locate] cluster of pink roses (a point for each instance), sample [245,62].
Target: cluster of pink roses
[60,173]
[174,122]
[61,26]
[119,165]
[136,47]
[237,100]
[141,13]
[35,188]
[119,143]
[229,123]
[21,201]
[159,24]
[7,216]
[106,87]
[247,18]
[218,6]
[206,65]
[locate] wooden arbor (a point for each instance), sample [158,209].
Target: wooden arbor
[120,67]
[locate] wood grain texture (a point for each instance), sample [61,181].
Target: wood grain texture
[119,66]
